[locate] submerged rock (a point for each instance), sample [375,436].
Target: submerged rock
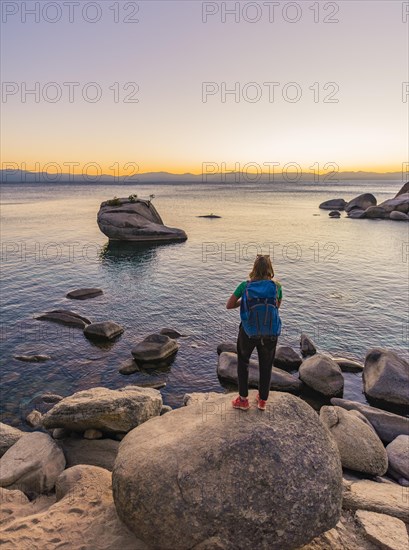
[135,221]
[386,377]
[386,424]
[280,380]
[358,444]
[104,409]
[84,293]
[105,330]
[333,204]
[155,347]
[323,375]
[171,332]
[197,480]
[362,202]
[65,317]
[32,464]
[32,358]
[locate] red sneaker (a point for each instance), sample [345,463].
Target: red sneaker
[240,403]
[261,404]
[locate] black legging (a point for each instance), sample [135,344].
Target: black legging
[266,349]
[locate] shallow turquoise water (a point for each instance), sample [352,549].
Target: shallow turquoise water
[345,281]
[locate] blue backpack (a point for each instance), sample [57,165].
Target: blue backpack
[258,309]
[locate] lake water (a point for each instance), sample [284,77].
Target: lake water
[345,282]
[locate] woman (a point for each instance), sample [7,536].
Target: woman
[259,299]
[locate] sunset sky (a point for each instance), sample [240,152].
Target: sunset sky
[172,51]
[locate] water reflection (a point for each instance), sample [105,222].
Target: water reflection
[135,252]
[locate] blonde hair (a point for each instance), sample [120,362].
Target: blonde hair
[262,268]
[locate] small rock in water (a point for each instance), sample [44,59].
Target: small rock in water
[348,365]
[32,358]
[34,419]
[154,348]
[65,317]
[172,333]
[333,204]
[129,367]
[105,330]
[307,346]
[334,214]
[93,434]
[84,293]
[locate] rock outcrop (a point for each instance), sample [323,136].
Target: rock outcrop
[386,377]
[359,446]
[135,221]
[323,375]
[113,411]
[386,424]
[280,380]
[227,472]
[32,465]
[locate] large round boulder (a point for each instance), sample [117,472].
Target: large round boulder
[323,375]
[359,446]
[135,220]
[386,377]
[362,202]
[155,347]
[398,455]
[333,204]
[33,464]
[251,479]
[116,411]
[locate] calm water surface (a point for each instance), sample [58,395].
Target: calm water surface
[345,281]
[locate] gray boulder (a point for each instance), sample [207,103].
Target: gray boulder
[398,216]
[323,375]
[400,203]
[334,214]
[32,465]
[84,293]
[362,202]
[398,455]
[356,214]
[333,204]
[65,317]
[227,346]
[376,212]
[280,380]
[105,330]
[286,358]
[116,411]
[386,424]
[155,347]
[386,377]
[197,481]
[8,437]
[135,221]
[359,446]
[307,346]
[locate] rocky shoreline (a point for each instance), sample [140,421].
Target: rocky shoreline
[119,469]
[365,206]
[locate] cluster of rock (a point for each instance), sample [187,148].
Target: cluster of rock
[365,206]
[181,479]
[135,220]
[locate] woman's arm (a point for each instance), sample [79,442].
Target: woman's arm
[233,302]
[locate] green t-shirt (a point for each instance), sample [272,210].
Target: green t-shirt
[240,290]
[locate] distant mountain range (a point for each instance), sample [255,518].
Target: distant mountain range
[24,176]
